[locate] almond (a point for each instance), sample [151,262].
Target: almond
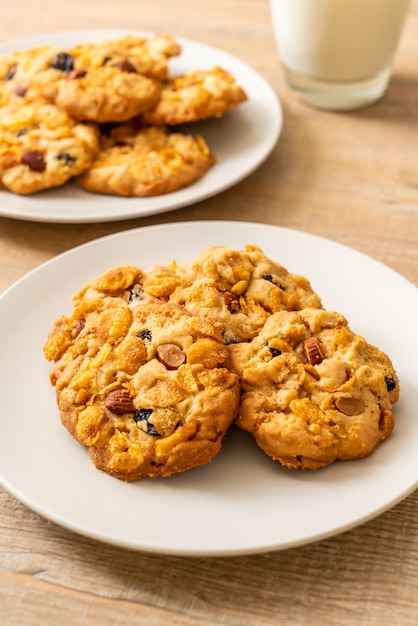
[119,401]
[171,355]
[313,351]
[350,406]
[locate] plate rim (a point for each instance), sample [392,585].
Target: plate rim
[257,549]
[187,196]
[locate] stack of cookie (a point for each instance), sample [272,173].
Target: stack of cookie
[153,366]
[105,114]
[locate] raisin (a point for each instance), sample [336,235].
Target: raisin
[20,91]
[270,279]
[228,338]
[299,457]
[77,74]
[11,73]
[134,292]
[66,159]
[390,383]
[274,351]
[79,325]
[145,335]
[151,430]
[126,66]
[63,62]
[144,415]
[34,160]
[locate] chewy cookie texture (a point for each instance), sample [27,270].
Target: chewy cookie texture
[153,366]
[98,89]
[42,147]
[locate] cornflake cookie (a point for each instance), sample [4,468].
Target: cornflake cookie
[148,56]
[47,72]
[18,69]
[143,385]
[106,94]
[313,391]
[146,162]
[196,96]
[42,147]
[239,289]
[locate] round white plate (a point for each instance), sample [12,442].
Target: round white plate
[240,141]
[242,502]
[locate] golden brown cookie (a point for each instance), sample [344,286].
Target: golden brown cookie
[100,81]
[146,162]
[239,289]
[42,147]
[106,94]
[196,95]
[20,69]
[37,73]
[147,55]
[143,385]
[313,391]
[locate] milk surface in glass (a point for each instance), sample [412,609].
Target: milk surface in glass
[338,41]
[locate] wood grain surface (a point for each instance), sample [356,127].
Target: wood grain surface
[350,177]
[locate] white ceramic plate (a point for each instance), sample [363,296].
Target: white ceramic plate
[240,140]
[242,502]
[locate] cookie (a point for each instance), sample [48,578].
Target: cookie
[106,94]
[239,289]
[146,162]
[196,96]
[19,69]
[42,147]
[313,391]
[100,82]
[143,385]
[147,55]
[37,73]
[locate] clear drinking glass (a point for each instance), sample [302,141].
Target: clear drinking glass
[338,54]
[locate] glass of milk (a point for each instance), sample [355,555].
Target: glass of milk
[338,54]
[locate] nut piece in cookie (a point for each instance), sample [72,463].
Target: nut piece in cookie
[144,386]
[240,289]
[42,147]
[314,392]
[146,162]
[196,96]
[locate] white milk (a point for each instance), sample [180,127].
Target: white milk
[338,40]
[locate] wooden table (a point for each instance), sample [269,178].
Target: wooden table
[349,177]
